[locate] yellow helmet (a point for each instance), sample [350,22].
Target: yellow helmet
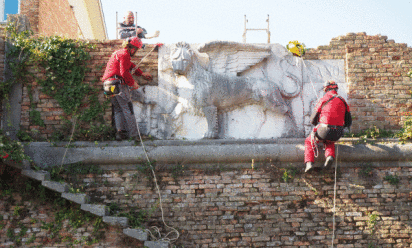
[298,49]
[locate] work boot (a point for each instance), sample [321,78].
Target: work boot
[328,162]
[309,167]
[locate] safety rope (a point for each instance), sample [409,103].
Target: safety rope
[334,196]
[68,145]
[137,66]
[160,198]
[310,79]
[316,151]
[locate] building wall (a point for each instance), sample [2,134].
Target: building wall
[376,70]
[30,8]
[50,17]
[57,18]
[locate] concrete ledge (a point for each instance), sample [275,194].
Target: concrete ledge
[56,186]
[99,210]
[37,175]
[116,221]
[77,198]
[136,233]
[156,244]
[213,151]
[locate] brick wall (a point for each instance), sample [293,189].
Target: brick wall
[52,114]
[379,89]
[30,8]
[33,219]
[221,207]
[57,18]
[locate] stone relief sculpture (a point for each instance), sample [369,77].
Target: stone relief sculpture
[214,73]
[231,90]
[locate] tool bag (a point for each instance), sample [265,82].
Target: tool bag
[111,87]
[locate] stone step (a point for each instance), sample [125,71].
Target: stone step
[156,244]
[36,175]
[116,221]
[136,233]
[100,210]
[77,198]
[56,186]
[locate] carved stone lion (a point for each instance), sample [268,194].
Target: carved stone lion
[218,86]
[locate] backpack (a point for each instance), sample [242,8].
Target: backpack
[348,117]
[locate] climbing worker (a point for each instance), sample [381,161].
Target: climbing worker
[117,83]
[331,115]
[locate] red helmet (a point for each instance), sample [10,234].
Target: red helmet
[134,41]
[330,85]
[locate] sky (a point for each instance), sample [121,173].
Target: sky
[311,22]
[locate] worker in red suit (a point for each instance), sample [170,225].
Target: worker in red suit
[331,115]
[119,70]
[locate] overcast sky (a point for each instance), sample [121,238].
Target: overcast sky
[314,23]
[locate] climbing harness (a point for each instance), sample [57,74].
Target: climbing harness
[314,142]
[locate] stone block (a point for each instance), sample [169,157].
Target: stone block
[116,221]
[56,186]
[136,233]
[99,210]
[77,198]
[156,244]
[36,175]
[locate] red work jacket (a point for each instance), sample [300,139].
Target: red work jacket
[120,64]
[333,113]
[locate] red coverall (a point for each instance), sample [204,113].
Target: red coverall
[120,64]
[333,113]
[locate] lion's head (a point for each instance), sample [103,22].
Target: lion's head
[181,57]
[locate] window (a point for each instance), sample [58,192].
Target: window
[8,7]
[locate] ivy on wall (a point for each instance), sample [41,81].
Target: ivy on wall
[62,64]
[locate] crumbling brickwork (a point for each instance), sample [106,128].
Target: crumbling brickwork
[376,71]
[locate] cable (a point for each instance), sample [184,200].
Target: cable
[334,195]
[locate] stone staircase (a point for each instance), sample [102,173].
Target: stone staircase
[96,209]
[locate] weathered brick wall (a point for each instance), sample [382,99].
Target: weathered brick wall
[222,207]
[52,114]
[379,89]
[30,8]
[57,18]
[30,220]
